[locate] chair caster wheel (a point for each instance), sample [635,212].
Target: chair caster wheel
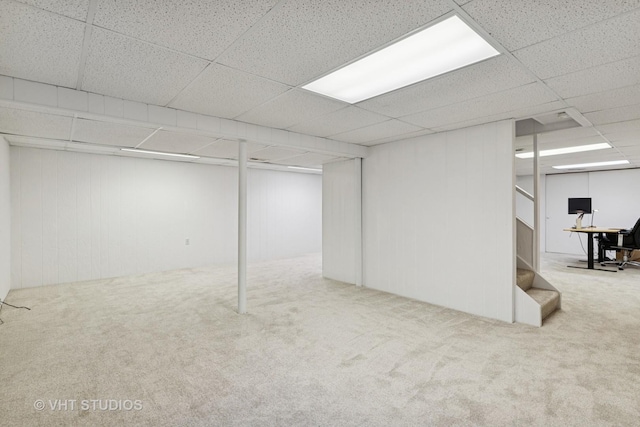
[620,268]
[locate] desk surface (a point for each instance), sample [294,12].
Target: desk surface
[593,230]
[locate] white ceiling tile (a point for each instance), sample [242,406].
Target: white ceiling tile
[39,46]
[303,39]
[106,133]
[390,129]
[130,69]
[627,126]
[402,137]
[516,24]
[513,99]
[224,92]
[309,159]
[613,115]
[343,120]
[568,134]
[611,99]
[202,28]
[597,79]
[291,108]
[273,154]
[521,113]
[227,149]
[76,9]
[176,142]
[527,143]
[624,139]
[494,75]
[605,42]
[29,123]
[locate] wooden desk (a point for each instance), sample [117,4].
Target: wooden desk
[590,231]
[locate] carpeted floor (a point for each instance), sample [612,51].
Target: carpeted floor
[168,349]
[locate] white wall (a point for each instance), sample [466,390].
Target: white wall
[284,214]
[83,216]
[439,219]
[340,227]
[5,220]
[612,193]
[524,206]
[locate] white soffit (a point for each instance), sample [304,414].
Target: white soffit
[38,45]
[490,76]
[130,69]
[291,108]
[176,142]
[224,92]
[343,120]
[31,123]
[605,42]
[106,133]
[303,39]
[516,24]
[199,27]
[227,149]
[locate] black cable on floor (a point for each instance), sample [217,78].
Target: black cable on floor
[14,306]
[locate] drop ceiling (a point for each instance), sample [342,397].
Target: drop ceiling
[247,60]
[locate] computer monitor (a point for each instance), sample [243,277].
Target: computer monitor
[579,205]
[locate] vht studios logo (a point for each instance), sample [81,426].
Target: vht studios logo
[88,405]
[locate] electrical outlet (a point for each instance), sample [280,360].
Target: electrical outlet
[186,242]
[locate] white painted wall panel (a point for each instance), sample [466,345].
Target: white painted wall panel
[611,193]
[81,216]
[339,224]
[5,219]
[284,211]
[16,219]
[438,219]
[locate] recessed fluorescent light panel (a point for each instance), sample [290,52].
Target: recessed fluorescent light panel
[565,150]
[593,165]
[443,47]
[135,150]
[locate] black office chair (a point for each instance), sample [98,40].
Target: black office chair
[630,242]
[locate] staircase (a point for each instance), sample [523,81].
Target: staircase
[540,302]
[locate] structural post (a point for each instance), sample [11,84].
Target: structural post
[358,219]
[536,203]
[242,227]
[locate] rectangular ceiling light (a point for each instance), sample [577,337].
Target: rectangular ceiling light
[443,47]
[135,150]
[565,150]
[593,165]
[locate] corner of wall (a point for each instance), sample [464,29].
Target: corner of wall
[5,220]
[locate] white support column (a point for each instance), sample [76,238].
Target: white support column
[536,204]
[358,219]
[242,227]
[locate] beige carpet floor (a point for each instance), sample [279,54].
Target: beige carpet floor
[314,352]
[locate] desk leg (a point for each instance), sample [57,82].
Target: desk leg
[590,251]
[601,254]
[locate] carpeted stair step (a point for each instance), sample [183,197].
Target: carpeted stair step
[547,299]
[525,278]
